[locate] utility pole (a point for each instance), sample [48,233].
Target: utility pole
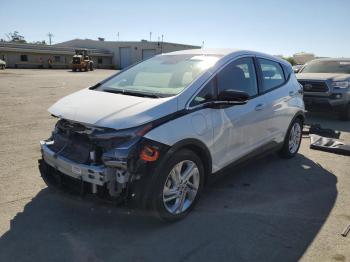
[150,36]
[50,35]
[161,45]
[118,36]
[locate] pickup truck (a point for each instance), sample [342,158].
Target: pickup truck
[326,85]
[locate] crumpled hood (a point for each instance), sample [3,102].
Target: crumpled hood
[110,110]
[322,76]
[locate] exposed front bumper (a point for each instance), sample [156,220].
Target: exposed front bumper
[97,175]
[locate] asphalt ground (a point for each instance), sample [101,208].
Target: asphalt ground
[268,209]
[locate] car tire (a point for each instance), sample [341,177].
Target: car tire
[345,114]
[164,203]
[91,67]
[292,140]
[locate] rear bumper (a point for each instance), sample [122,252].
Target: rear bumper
[97,175]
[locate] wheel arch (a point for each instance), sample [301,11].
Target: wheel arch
[199,148]
[300,115]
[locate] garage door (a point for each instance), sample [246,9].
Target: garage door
[125,57]
[147,53]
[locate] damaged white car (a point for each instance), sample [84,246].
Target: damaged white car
[153,133]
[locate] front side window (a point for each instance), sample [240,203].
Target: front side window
[272,74]
[164,75]
[238,75]
[207,94]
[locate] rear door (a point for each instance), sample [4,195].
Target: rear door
[277,93]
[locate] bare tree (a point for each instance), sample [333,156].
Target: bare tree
[15,37]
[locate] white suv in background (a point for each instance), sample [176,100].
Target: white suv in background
[154,132]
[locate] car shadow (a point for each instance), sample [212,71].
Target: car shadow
[267,209]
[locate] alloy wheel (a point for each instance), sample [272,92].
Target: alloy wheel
[294,138]
[181,187]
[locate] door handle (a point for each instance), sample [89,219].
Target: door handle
[259,107]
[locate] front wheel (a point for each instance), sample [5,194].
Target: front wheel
[178,185]
[293,139]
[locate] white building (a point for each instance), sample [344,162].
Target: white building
[127,53]
[105,54]
[302,58]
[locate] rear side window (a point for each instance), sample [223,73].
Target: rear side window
[272,74]
[238,75]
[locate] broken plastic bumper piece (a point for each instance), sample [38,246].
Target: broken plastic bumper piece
[94,174]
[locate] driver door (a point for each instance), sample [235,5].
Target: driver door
[238,130]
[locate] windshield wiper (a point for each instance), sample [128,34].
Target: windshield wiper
[131,93]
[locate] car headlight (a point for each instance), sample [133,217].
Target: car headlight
[341,84]
[126,133]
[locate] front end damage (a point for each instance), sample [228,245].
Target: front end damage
[101,161]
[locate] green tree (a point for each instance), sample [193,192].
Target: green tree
[290,60]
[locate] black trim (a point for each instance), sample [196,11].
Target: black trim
[258,75]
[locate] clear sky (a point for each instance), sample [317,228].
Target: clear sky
[271,26]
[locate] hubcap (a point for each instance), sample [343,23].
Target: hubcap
[294,138]
[181,187]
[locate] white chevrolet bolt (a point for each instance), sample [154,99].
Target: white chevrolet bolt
[153,133]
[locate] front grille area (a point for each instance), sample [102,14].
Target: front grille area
[74,142]
[75,147]
[314,86]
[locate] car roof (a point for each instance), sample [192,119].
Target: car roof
[205,51]
[226,52]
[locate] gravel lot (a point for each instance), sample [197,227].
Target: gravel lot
[266,210]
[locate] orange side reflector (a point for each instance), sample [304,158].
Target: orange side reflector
[149,154]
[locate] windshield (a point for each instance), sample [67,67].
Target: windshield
[164,75]
[338,67]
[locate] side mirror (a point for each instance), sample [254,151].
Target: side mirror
[230,97]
